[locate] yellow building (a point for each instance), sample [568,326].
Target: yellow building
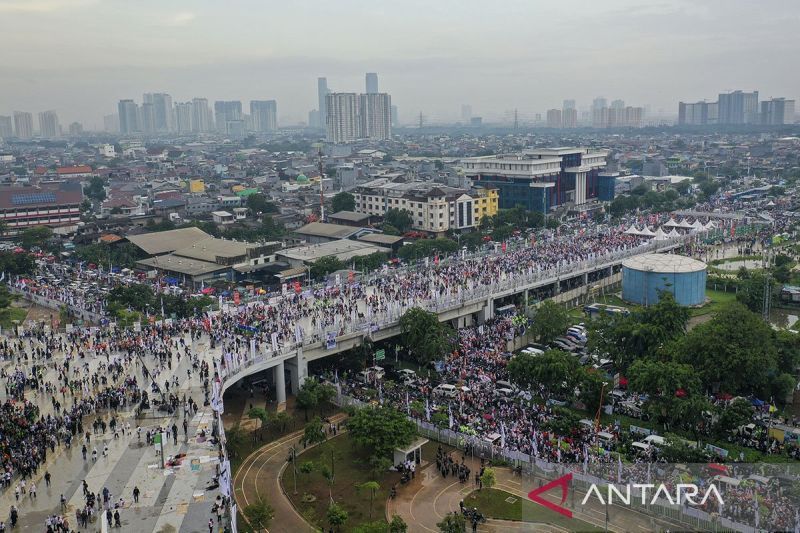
[486,203]
[197,186]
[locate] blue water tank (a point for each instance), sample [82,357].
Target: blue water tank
[644,276]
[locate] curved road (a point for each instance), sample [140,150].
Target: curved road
[259,476]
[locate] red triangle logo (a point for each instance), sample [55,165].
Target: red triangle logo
[563,482]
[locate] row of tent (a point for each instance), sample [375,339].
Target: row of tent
[661,235]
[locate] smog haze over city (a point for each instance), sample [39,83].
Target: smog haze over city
[80,57]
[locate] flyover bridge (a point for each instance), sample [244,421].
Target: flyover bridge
[475,304]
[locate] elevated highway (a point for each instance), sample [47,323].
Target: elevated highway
[475,304]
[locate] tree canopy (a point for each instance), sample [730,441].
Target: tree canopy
[553,373]
[381,429]
[550,321]
[424,336]
[343,201]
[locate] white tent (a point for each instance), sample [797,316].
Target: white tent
[684,224]
[697,225]
[646,232]
[671,223]
[710,225]
[633,230]
[660,235]
[674,233]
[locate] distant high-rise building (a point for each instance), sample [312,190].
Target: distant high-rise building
[777,112]
[128,116]
[376,116]
[313,118]
[322,95]
[554,118]
[184,113]
[201,115]
[147,117]
[568,104]
[466,113]
[162,110]
[48,124]
[738,107]
[343,117]
[6,127]
[372,82]
[696,113]
[599,103]
[264,114]
[617,104]
[23,124]
[395,118]
[225,112]
[111,123]
[569,116]
[75,128]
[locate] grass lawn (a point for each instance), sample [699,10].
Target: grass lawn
[718,299]
[351,468]
[492,503]
[10,314]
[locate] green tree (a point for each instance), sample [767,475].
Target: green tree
[370,487]
[261,414]
[313,433]
[282,419]
[550,321]
[452,523]
[397,525]
[257,203]
[590,384]
[424,336]
[343,201]
[553,373]
[325,265]
[399,219]
[336,515]
[667,384]
[35,236]
[95,189]
[259,514]
[737,413]
[16,264]
[488,478]
[381,429]
[735,350]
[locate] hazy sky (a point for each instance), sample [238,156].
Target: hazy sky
[80,57]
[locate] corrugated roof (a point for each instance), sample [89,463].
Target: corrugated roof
[162,242]
[321,229]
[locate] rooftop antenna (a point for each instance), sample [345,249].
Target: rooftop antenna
[318,146]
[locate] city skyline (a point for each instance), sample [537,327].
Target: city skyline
[202,49]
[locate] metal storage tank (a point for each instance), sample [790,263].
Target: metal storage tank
[644,276]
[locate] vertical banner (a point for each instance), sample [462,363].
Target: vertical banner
[236,298]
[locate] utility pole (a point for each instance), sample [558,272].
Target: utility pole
[321,175]
[767,296]
[516,120]
[421,120]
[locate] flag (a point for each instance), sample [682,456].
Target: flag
[619,468]
[427,410]
[336,375]
[436,260]
[503,247]
[450,417]
[408,405]
[162,308]
[756,510]
[502,434]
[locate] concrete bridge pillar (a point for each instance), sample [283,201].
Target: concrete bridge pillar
[585,279]
[280,383]
[488,310]
[298,370]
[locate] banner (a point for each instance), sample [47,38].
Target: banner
[236,298]
[330,340]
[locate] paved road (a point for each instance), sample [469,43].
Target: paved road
[259,476]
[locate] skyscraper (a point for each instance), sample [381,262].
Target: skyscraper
[343,117]
[147,117]
[372,82]
[111,123]
[264,114]
[466,113]
[162,110]
[376,116]
[738,107]
[696,113]
[128,116]
[225,112]
[554,118]
[322,94]
[23,124]
[75,128]
[395,117]
[569,115]
[777,112]
[201,115]
[184,113]
[6,127]
[568,104]
[599,112]
[48,124]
